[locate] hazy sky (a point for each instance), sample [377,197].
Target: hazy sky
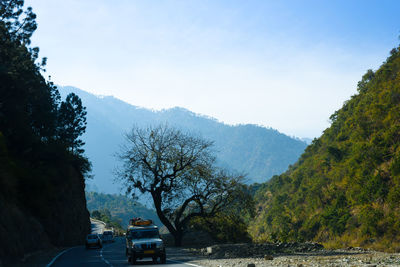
[283,64]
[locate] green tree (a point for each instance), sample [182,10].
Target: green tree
[96,214]
[19,23]
[72,122]
[28,104]
[178,171]
[30,108]
[230,225]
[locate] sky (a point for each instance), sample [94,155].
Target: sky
[282,64]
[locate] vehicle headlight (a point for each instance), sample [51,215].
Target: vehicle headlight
[160,245]
[135,246]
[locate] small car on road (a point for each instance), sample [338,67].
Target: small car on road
[93,240]
[108,236]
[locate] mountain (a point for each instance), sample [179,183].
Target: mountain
[257,151]
[345,188]
[121,207]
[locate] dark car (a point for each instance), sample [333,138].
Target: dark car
[93,240]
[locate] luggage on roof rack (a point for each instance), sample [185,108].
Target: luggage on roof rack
[140,222]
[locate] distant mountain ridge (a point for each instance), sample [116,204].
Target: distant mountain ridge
[256,151]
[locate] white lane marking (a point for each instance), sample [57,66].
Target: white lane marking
[58,255]
[190,264]
[103,259]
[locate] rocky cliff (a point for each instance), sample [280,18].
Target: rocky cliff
[40,212]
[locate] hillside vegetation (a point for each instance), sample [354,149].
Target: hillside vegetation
[42,167]
[345,189]
[119,207]
[256,151]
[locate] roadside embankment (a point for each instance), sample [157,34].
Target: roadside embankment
[289,254]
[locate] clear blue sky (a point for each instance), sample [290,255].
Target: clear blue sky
[283,64]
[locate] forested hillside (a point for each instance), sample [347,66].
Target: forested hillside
[120,207]
[345,189]
[42,168]
[257,151]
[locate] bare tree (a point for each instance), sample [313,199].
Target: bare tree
[179,172]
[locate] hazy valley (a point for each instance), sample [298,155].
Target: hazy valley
[253,150]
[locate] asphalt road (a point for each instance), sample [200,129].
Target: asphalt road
[112,254]
[97,227]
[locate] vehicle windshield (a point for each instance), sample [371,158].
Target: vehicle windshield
[107,233]
[138,234]
[92,237]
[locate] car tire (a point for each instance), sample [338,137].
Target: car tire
[163,259]
[132,260]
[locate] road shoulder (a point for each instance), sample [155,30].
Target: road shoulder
[185,256]
[39,258]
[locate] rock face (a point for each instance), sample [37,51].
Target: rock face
[68,222]
[58,218]
[20,233]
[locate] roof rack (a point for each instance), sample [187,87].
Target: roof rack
[140,222]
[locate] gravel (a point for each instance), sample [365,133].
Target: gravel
[288,254]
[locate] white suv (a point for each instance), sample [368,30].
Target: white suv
[144,242]
[108,236]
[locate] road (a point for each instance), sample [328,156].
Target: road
[112,254]
[97,226]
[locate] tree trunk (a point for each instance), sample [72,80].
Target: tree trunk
[178,238]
